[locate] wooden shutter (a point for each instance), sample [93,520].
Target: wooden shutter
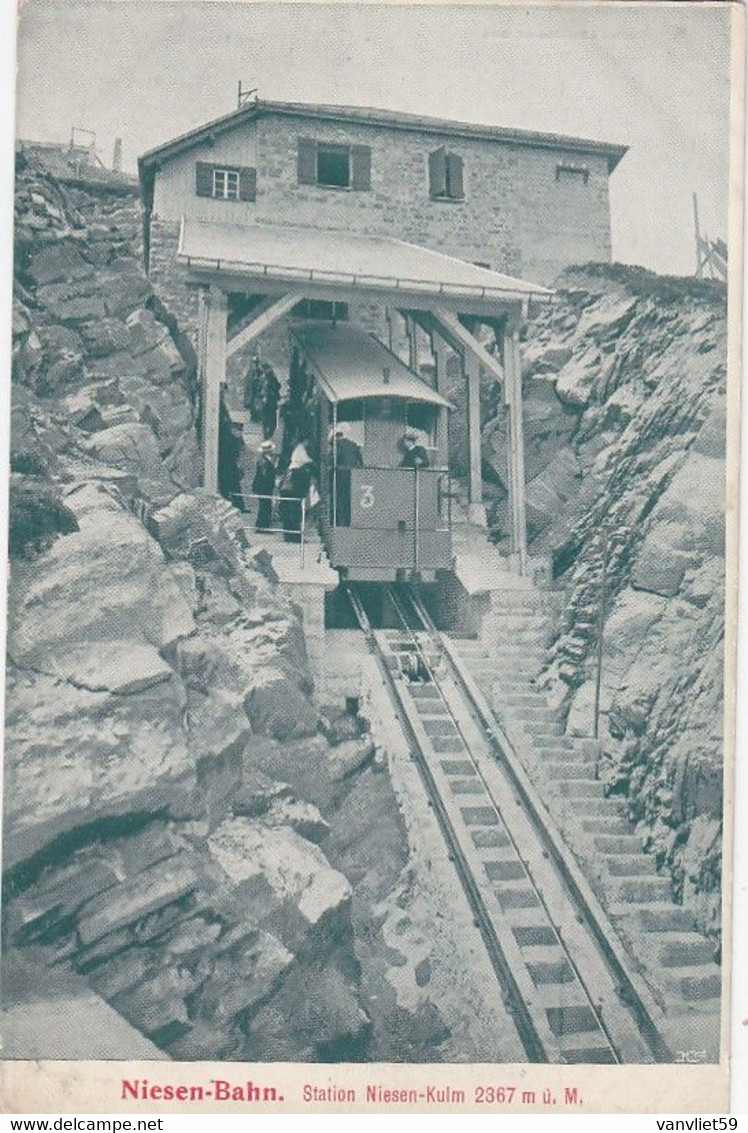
[204,179]
[247,184]
[454,177]
[438,172]
[307,163]
[361,167]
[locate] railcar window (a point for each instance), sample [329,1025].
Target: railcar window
[351,411]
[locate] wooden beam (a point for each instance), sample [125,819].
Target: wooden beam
[471,370]
[439,349]
[516,450]
[272,308]
[400,298]
[462,339]
[215,316]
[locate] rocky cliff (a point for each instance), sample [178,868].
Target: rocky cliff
[625,437]
[178,810]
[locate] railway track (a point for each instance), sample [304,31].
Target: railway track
[570,994]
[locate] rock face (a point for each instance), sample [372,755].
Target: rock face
[628,371]
[173,797]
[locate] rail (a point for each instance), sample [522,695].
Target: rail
[576,965]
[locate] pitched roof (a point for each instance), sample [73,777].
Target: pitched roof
[352,364]
[372,116]
[274,253]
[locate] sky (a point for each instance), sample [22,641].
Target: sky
[654,77]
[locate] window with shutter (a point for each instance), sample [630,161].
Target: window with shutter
[446,180]
[204,179]
[361,163]
[247,184]
[438,172]
[455,188]
[225,182]
[307,162]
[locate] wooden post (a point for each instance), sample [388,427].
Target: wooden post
[516,448]
[519,446]
[439,350]
[216,316]
[471,370]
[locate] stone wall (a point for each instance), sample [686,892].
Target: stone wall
[517,216]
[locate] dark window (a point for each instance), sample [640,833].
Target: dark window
[334,166]
[324,309]
[225,182]
[446,179]
[566,172]
[350,411]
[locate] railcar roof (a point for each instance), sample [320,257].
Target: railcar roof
[350,365]
[274,253]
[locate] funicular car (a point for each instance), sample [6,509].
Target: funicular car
[380,520]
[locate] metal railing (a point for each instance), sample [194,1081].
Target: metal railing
[276,500]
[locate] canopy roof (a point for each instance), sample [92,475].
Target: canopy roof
[284,254]
[353,365]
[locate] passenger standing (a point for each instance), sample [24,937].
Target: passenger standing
[346,455]
[264,485]
[254,390]
[415,454]
[294,488]
[230,450]
[271,397]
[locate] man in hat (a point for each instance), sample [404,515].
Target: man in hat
[415,454]
[263,485]
[346,455]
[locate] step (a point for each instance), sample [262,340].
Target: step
[664,918]
[566,770]
[617,843]
[599,807]
[630,865]
[613,825]
[536,714]
[523,699]
[639,891]
[695,984]
[579,788]
[539,728]
[685,950]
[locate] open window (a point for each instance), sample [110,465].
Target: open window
[446,176]
[333,166]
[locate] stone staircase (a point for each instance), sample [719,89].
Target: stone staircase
[676,960]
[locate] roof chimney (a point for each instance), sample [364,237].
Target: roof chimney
[117,157]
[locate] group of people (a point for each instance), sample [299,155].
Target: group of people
[299,481]
[262,396]
[298,484]
[347,454]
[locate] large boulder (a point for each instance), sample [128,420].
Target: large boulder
[296,871]
[74,755]
[107,580]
